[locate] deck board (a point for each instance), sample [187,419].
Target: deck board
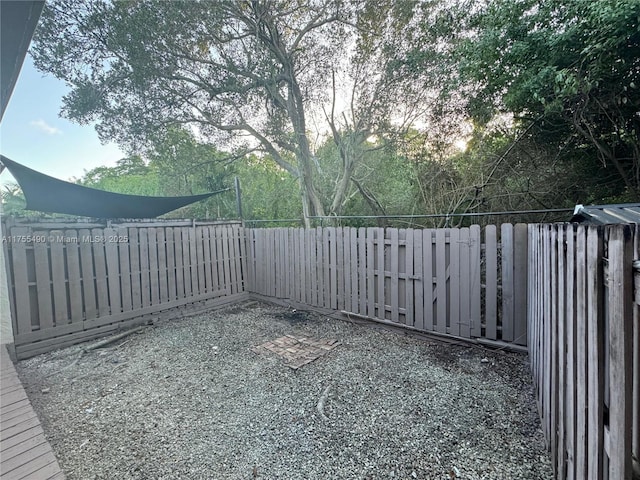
[25,451]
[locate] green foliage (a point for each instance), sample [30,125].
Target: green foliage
[13,201]
[131,176]
[231,69]
[544,91]
[185,166]
[571,67]
[179,165]
[176,165]
[268,191]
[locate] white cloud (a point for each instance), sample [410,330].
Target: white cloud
[45,127]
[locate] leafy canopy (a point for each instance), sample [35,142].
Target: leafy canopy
[572,67]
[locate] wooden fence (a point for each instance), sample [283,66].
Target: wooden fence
[463,282]
[571,294]
[584,344]
[72,282]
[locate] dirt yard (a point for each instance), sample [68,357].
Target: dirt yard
[194,399]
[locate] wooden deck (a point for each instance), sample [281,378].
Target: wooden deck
[25,453]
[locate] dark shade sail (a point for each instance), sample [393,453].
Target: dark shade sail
[18,20]
[47,194]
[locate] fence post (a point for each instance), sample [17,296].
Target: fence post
[6,302]
[520,287]
[236,183]
[595,353]
[620,351]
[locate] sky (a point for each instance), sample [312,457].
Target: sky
[33,134]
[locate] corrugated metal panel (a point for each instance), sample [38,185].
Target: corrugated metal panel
[607,214]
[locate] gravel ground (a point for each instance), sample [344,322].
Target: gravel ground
[188,399]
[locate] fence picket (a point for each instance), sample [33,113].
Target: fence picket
[306,266]
[134,260]
[186,261]
[465,290]
[595,355]
[76,309]
[362,270]
[295,259]
[409,280]
[179,259]
[581,336]
[571,358]
[88,276]
[113,269]
[163,279]
[427,284]
[333,267]
[475,283]
[200,260]
[189,262]
[169,237]
[371,275]
[154,278]
[303,264]
[552,381]
[394,283]
[22,302]
[235,258]
[419,281]
[506,240]
[454,282]
[562,342]
[102,289]
[125,268]
[60,307]
[206,254]
[320,266]
[354,270]
[345,269]
[635,421]
[546,332]
[145,274]
[620,354]
[223,274]
[381,277]
[277,261]
[315,272]
[339,268]
[520,287]
[491,282]
[43,284]
[441,281]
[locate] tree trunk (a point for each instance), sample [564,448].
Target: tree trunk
[295,107]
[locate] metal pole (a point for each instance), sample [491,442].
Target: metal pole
[238,197]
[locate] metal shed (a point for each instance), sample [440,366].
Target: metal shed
[607,214]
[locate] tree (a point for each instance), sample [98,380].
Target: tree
[236,68]
[175,164]
[131,176]
[185,166]
[570,69]
[13,201]
[273,77]
[245,73]
[268,191]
